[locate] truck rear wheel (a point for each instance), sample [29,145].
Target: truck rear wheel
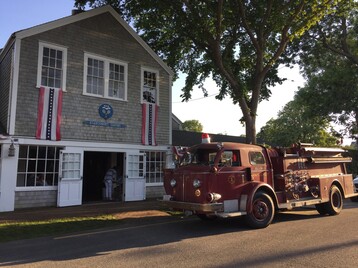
[262,212]
[335,204]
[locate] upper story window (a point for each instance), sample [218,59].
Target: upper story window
[52,63]
[105,77]
[150,86]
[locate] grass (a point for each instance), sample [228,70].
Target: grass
[10,231]
[32,229]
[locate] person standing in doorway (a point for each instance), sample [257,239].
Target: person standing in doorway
[111,175]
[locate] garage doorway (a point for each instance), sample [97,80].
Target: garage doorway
[95,167]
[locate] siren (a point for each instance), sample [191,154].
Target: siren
[205,138]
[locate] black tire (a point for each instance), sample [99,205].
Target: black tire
[206,217]
[262,212]
[321,208]
[335,204]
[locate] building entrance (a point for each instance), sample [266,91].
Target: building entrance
[95,167]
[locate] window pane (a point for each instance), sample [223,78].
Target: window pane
[149,87]
[95,75]
[20,180]
[39,170]
[51,74]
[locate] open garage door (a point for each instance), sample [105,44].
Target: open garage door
[134,183]
[70,179]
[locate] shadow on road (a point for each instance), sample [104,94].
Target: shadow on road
[132,233]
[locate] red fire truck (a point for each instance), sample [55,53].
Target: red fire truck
[214,180]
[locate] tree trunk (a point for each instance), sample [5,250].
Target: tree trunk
[250,125]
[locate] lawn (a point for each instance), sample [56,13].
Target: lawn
[24,230]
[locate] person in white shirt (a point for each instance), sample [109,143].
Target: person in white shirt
[111,175]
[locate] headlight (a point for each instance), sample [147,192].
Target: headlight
[196,183]
[173,182]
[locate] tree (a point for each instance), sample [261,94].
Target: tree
[192,125]
[240,44]
[330,64]
[292,126]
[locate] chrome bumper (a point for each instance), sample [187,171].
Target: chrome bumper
[196,207]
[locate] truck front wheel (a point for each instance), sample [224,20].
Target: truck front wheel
[262,212]
[321,208]
[335,204]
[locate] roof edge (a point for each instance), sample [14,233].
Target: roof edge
[84,15]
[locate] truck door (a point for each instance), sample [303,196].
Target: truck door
[259,166]
[231,174]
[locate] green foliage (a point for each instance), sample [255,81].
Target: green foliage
[239,44]
[292,126]
[330,64]
[192,125]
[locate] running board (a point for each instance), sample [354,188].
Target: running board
[230,214]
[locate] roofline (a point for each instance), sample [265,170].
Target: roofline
[177,119]
[84,15]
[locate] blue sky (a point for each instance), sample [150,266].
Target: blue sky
[216,116]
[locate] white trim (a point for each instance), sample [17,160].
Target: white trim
[92,146]
[85,15]
[14,87]
[40,59]
[148,184]
[170,111]
[106,61]
[35,188]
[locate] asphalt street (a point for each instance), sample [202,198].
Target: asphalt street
[301,238]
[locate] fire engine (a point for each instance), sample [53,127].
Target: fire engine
[216,179]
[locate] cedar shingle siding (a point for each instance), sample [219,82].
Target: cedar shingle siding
[104,36]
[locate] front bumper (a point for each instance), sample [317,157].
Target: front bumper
[195,207]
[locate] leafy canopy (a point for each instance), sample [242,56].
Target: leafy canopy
[292,126]
[237,43]
[192,125]
[330,64]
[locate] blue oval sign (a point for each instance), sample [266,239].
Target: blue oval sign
[105,111]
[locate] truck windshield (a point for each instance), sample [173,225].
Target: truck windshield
[204,157]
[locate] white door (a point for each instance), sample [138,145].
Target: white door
[70,178]
[134,183]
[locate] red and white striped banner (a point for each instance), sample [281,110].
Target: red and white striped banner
[149,123]
[49,114]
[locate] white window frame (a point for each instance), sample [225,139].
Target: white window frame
[42,45]
[158,164]
[145,69]
[107,62]
[46,160]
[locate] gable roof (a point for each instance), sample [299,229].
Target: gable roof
[82,16]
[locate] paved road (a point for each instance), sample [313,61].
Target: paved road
[295,239]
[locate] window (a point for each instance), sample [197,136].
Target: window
[256,158]
[105,77]
[38,166]
[150,88]
[154,167]
[52,62]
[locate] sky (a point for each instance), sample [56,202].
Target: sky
[215,116]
